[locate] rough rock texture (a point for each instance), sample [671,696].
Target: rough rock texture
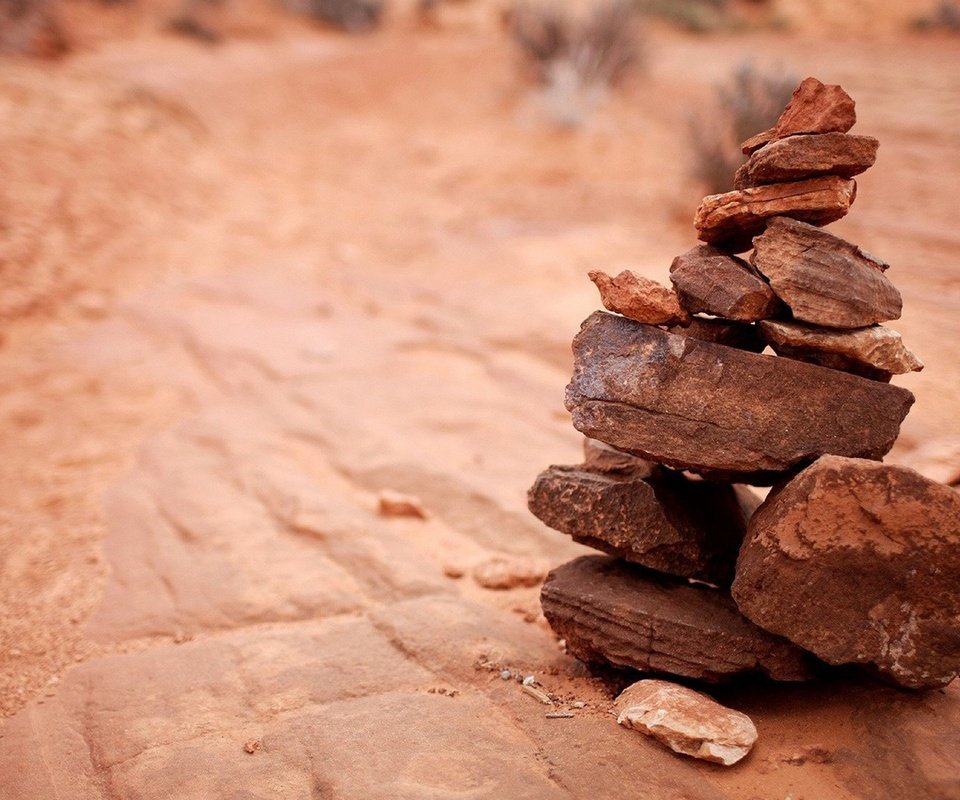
[686,721]
[741,335]
[614,612]
[600,457]
[872,352]
[824,279]
[807,156]
[814,108]
[859,562]
[639,298]
[667,522]
[711,281]
[713,409]
[731,220]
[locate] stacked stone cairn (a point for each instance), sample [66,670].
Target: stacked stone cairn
[848,560]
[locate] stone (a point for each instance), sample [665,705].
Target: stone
[732,219]
[817,108]
[858,562]
[874,352]
[639,298]
[686,721]
[670,523]
[600,457]
[397,504]
[616,613]
[808,156]
[720,411]
[743,336]
[824,279]
[508,573]
[713,282]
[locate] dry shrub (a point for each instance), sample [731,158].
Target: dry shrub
[32,27]
[354,16]
[750,102]
[700,16]
[945,17]
[577,59]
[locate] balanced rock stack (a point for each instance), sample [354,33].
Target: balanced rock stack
[847,560]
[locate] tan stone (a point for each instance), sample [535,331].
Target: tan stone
[731,220]
[508,573]
[639,298]
[686,721]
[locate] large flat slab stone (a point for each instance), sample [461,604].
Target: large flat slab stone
[808,156]
[720,411]
[612,612]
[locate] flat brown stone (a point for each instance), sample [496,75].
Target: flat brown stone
[600,457]
[808,156]
[718,410]
[858,562]
[713,282]
[670,523]
[743,336]
[824,279]
[876,351]
[732,219]
[612,612]
[639,298]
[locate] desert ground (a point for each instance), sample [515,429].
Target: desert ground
[247,287]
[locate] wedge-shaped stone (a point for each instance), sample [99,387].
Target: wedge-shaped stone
[731,220]
[686,721]
[875,352]
[718,410]
[609,611]
[808,156]
[859,562]
[670,523]
[824,279]
[639,298]
[600,457]
[814,108]
[711,281]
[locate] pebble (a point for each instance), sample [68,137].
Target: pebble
[505,674]
[529,680]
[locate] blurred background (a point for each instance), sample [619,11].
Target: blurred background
[263,259]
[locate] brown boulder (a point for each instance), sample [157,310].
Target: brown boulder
[718,410]
[874,352]
[711,281]
[743,336]
[732,219]
[667,522]
[859,562]
[612,612]
[639,298]
[824,279]
[807,156]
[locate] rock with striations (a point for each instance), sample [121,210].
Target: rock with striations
[741,335]
[686,721]
[815,107]
[612,612]
[824,279]
[600,457]
[808,156]
[639,298]
[875,352]
[731,220]
[713,282]
[719,411]
[859,562]
[668,522]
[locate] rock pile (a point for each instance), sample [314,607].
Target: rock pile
[847,560]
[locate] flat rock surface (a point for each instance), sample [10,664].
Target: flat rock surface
[732,219]
[695,405]
[824,279]
[713,282]
[808,156]
[639,298]
[667,522]
[686,721]
[863,351]
[612,612]
[858,563]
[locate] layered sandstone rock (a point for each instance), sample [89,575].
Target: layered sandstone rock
[808,156]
